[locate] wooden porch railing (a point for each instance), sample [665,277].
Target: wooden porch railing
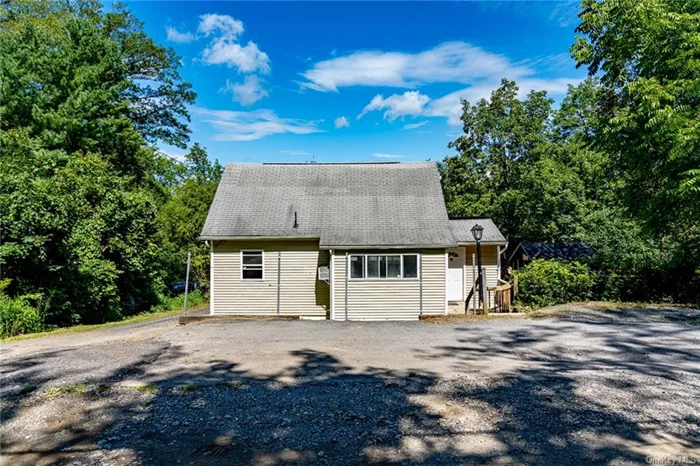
[501,296]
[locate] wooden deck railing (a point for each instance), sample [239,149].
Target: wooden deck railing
[501,296]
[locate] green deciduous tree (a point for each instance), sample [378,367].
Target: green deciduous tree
[83,95]
[648,57]
[511,165]
[181,219]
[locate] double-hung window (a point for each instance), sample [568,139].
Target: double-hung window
[252,265]
[383,266]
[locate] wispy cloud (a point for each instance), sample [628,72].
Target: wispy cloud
[252,125]
[295,152]
[452,62]
[226,48]
[247,92]
[382,155]
[415,125]
[176,36]
[565,13]
[341,122]
[397,105]
[448,62]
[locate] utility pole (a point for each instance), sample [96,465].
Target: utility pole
[187,280]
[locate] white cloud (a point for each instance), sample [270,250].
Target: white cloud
[225,47]
[295,152]
[252,125]
[450,106]
[397,105]
[247,92]
[223,24]
[341,122]
[179,37]
[381,155]
[415,125]
[449,62]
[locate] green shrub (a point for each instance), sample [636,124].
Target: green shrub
[18,316]
[548,282]
[168,303]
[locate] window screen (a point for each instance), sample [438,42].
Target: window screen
[357,266]
[252,265]
[384,266]
[410,266]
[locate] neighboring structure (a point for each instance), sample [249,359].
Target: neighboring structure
[365,241]
[527,252]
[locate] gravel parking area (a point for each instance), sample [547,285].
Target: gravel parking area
[584,387]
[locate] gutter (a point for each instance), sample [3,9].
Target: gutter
[231,238]
[393,246]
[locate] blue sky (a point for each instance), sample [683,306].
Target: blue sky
[350,81]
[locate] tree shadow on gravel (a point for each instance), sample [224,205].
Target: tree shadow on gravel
[563,404]
[562,409]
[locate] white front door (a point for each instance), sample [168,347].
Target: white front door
[455,274]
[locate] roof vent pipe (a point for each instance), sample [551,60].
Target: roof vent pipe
[296,223]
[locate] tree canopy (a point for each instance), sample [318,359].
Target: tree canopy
[84,96]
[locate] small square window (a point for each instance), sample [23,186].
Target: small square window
[252,265]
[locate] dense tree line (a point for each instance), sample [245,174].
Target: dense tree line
[616,165]
[94,221]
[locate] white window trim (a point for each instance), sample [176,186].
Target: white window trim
[262,251]
[401,278]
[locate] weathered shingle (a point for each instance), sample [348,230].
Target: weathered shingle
[462,230]
[341,204]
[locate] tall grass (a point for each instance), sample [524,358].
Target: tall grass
[19,317]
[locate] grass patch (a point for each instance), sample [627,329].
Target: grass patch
[57,391]
[148,388]
[143,317]
[188,388]
[26,389]
[102,389]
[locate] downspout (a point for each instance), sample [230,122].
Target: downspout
[347,265]
[211,278]
[279,274]
[420,282]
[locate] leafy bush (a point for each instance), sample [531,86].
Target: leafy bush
[18,316]
[548,282]
[166,303]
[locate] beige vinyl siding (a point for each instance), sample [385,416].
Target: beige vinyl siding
[390,299]
[489,260]
[300,292]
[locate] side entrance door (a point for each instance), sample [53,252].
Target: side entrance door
[455,274]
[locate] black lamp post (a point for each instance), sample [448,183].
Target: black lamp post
[478,232]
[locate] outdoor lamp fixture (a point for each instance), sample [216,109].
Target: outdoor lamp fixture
[478,232]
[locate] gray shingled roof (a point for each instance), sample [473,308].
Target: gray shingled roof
[351,205]
[462,230]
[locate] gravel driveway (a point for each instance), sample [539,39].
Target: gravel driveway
[585,387]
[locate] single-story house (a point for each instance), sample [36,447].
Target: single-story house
[345,241]
[526,252]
